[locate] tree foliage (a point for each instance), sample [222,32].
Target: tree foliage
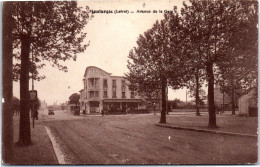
[50,31]
[74,98]
[156,61]
[210,40]
[172,104]
[239,70]
[212,29]
[54,31]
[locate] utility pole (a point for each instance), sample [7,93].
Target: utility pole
[186,96]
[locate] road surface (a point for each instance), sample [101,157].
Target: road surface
[133,139]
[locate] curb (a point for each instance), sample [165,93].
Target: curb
[59,155]
[204,130]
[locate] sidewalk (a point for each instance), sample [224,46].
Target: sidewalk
[227,123]
[39,153]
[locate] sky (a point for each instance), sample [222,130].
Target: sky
[111,37]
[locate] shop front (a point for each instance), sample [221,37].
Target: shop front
[94,107]
[122,104]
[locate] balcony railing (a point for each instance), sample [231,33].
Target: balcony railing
[93,87]
[93,98]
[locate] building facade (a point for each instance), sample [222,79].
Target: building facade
[102,91]
[246,101]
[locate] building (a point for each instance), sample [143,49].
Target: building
[102,91]
[43,105]
[247,103]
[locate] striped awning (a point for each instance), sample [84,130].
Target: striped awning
[123,100]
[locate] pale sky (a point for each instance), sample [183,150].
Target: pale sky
[111,37]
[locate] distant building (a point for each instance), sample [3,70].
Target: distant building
[247,102]
[43,105]
[102,91]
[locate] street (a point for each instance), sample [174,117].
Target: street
[134,139]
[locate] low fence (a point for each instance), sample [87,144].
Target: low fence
[122,112]
[145,111]
[189,110]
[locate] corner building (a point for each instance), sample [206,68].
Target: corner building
[102,91]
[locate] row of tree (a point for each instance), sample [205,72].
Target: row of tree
[212,41]
[16,105]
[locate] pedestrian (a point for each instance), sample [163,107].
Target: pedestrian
[36,114]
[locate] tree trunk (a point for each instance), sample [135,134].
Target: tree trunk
[211,109]
[24,130]
[197,93]
[7,89]
[163,112]
[223,108]
[233,100]
[166,94]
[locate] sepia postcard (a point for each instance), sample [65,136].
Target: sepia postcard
[127,82]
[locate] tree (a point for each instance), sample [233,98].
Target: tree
[7,89]
[50,31]
[195,87]
[156,62]
[208,40]
[198,93]
[173,103]
[239,71]
[74,99]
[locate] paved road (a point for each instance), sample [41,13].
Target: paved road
[133,139]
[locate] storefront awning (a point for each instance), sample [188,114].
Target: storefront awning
[123,100]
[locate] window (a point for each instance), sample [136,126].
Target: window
[105,84]
[96,94]
[105,94]
[123,85]
[114,94]
[86,84]
[91,81]
[114,88]
[91,94]
[123,94]
[114,83]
